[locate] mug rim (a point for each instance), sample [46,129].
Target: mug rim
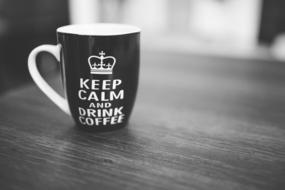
[99,29]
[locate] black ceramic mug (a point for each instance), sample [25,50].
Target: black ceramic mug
[100,68]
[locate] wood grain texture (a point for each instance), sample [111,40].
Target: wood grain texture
[198,123]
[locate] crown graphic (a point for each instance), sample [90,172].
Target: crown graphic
[101,64]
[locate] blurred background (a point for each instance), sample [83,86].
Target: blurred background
[245,29]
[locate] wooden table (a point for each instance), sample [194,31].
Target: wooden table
[200,122]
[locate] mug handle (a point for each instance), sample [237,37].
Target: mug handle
[38,79]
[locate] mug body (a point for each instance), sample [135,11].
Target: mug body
[100,70]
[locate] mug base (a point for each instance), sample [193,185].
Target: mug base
[100,129]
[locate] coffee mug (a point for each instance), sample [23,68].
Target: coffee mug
[99,67]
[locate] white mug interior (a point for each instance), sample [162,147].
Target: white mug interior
[99,29]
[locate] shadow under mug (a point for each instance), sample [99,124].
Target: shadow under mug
[100,68]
